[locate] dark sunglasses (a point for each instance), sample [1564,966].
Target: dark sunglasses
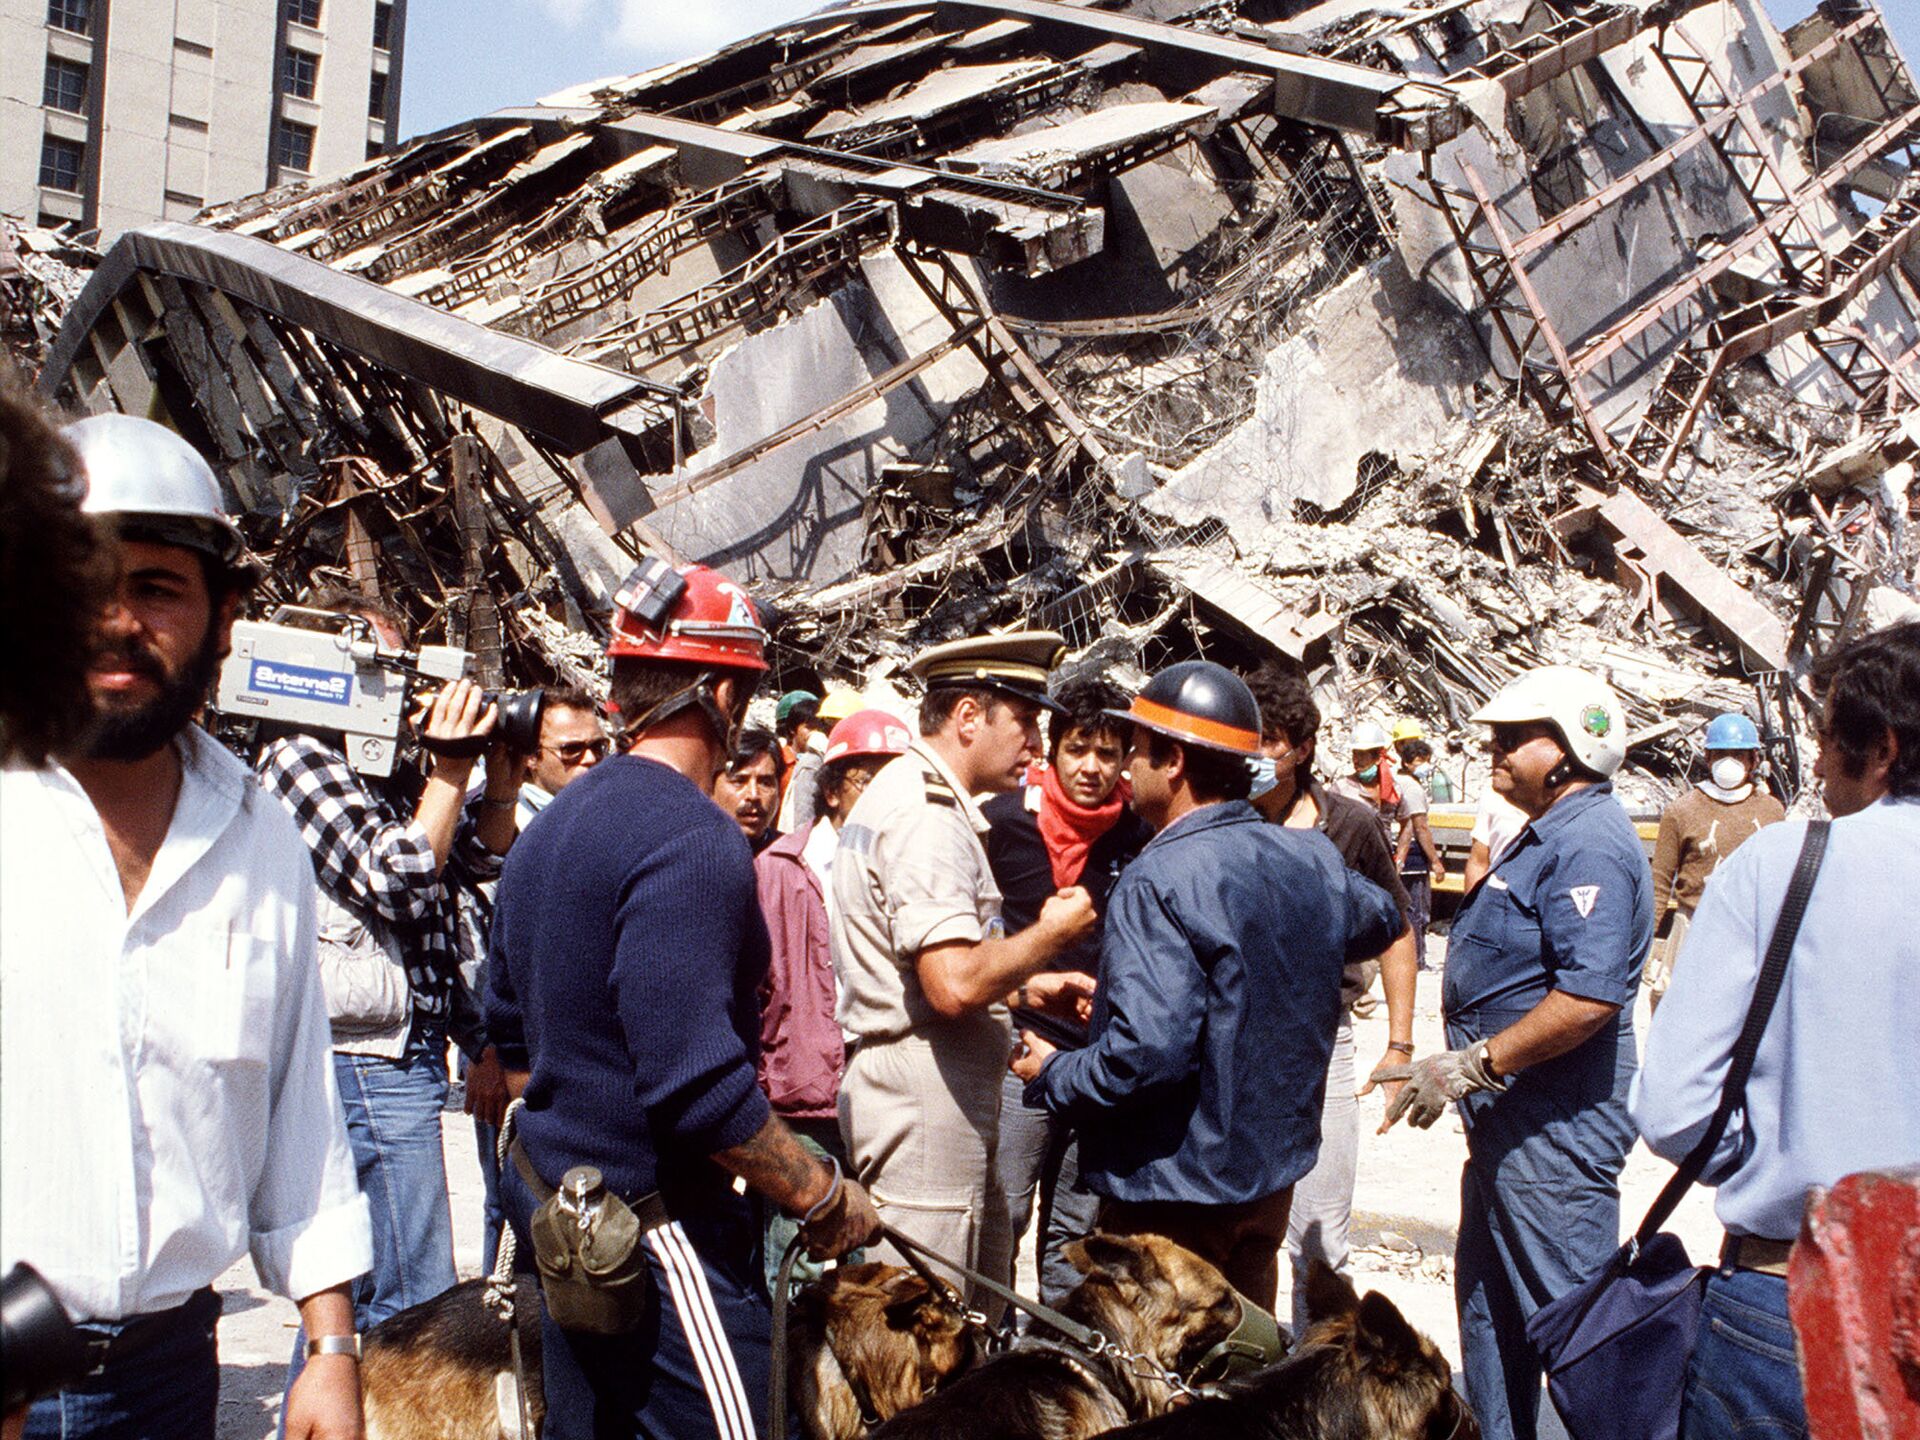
[1512,737]
[574,751]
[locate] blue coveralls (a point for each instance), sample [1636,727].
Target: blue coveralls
[1568,906]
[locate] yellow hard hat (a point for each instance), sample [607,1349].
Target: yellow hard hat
[1407,730]
[837,705]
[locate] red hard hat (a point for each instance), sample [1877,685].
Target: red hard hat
[691,613]
[867,732]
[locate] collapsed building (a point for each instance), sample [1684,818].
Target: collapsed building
[1417,343]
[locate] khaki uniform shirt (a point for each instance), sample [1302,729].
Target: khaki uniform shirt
[911,872]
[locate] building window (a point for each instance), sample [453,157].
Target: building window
[180,197]
[61,162]
[304,12]
[193,47]
[187,123]
[65,87]
[74,15]
[377,96]
[382,26]
[375,149]
[299,72]
[293,146]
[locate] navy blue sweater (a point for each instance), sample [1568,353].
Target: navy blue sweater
[628,950]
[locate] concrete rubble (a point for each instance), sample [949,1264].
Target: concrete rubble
[1418,343]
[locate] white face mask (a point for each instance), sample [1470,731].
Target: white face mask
[1266,774]
[1729,772]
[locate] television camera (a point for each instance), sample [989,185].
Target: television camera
[317,670]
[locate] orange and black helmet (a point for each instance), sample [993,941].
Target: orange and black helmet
[1199,703]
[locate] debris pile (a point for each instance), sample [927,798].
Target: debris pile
[41,273]
[1416,343]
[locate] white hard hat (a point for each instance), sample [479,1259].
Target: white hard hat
[1369,735]
[138,468]
[1582,707]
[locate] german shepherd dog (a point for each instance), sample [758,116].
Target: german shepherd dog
[443,1370]
[1144,1293]
[868,1341]
[1360,1372]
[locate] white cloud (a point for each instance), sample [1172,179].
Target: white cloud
[682,29]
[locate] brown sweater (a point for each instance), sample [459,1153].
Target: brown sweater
[1697,832]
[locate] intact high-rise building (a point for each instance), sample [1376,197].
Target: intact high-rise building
[117,112]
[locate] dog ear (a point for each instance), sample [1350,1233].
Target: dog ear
[1383,1331]
[1119,1256]
[904,1293]
[1330,1294]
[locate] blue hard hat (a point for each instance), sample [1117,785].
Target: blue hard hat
[1732,732]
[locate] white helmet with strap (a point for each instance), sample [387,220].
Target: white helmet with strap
[1581,706]
[155,485]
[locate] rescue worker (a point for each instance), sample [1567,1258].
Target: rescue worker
[1416,759]
[1286,793]
[803,739]
[1701,829]
[1199,1095]
[802,1054]
[924,960]
[1371,779]
[1542,963]
[628,951]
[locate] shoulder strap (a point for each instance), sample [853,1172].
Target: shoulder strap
[1766,990]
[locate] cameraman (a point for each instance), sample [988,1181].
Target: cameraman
[165,1105]
[387,856]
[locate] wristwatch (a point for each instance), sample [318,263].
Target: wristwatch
[334,1345]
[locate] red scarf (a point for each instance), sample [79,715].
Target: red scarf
[1069,828]
[1389,792]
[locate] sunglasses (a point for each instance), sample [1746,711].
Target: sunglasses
[574,751]
[1512,737]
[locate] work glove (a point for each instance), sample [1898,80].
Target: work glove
[1436,1079]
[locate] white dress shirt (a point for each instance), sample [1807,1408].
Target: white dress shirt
[167,1101]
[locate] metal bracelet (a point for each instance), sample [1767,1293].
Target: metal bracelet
[333,1345]
[825,1202]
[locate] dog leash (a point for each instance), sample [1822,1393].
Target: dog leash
[777,1357]
[1141,1366]
[502,1288]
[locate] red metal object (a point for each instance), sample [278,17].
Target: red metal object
[1854,1291]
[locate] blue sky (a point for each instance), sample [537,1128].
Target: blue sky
[466,57]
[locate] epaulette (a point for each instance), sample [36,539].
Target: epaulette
[938,792]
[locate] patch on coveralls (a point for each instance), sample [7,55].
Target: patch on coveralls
[1583,897]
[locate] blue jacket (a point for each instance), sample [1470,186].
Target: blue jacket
[1567,906]
[1219,998]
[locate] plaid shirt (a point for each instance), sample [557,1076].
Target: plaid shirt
[372,857]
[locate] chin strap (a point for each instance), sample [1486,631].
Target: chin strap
[700,693]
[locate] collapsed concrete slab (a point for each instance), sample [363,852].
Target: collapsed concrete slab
[1412,345]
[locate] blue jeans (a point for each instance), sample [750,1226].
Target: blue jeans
[1744,1378]
[393,1123]
[170,1388]
[1039,1157]
[1419,885]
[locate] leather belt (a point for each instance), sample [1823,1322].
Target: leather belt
[131,1336]
[1756,1253]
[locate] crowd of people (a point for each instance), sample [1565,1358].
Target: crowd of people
[1041,957]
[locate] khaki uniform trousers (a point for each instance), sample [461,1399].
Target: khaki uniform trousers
[921,1116]
[1666,949]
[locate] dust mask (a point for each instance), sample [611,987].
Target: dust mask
[1368,775]
[1729,772]
[1265,771]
